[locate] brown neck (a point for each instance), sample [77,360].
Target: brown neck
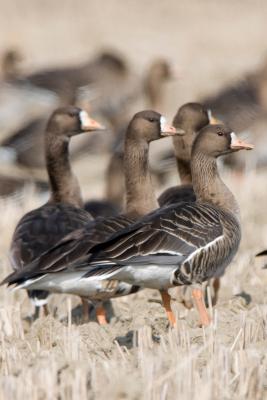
[64,185]
[182,150]
[184,171]
[140,195]
[208,185]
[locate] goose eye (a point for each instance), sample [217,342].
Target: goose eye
[151,119]
[219,133]
[72,114]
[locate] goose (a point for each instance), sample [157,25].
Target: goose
[191,117]
[105,68]
[241,103]
[39,229]
[159,72]
[151,87]
[144,127]
[183,244]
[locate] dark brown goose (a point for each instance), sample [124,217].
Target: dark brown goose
[159,72]
[191,117]
[145,127]
[183,244]
[39,229]
[242,103]
[104,68]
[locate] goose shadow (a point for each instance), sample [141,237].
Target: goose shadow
[77,317]
[130,339]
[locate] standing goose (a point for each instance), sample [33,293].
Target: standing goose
[191,117]
[52,268]
[184,244]
[41,228]
[160,71]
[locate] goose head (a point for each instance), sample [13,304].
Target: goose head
[11,64]
[162,69]
[112,60]
[218,140]
[191,117]
[150,125]
[71,121]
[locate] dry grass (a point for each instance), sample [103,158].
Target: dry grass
[137,356]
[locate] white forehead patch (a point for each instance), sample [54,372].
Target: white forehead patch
[163,123]
[84,118]
[209,114]
[233,137]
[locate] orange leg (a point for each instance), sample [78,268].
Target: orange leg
[101,315]
[200,305]
[166,300]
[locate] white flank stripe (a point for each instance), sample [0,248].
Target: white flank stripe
[173,253]
[204,247]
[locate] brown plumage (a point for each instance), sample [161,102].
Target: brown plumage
[183,244]
[241,103]
[64,82]
[145,127]
[191,117]
[39,229]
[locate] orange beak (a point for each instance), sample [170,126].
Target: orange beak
[238,144]
[169,130]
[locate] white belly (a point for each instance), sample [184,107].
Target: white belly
[72,283]
[149,276]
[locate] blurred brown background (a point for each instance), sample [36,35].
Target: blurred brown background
[212,42]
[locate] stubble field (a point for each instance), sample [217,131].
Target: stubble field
[137,356]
